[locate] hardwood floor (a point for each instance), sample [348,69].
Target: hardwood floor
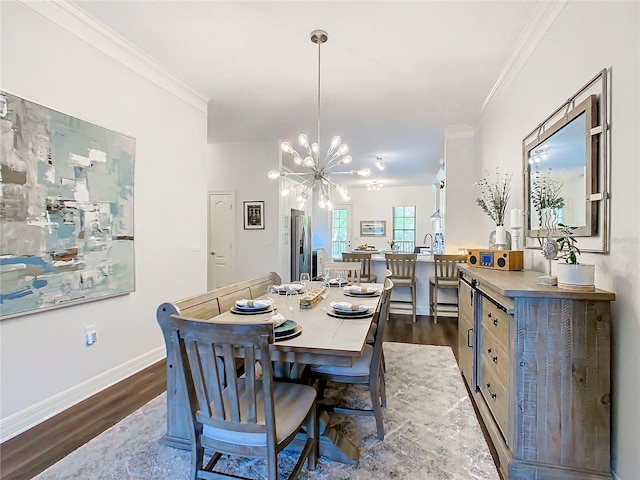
[31,452]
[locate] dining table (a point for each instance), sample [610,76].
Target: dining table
[322,338]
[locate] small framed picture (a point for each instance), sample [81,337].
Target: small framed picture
[372,228]
[254,215]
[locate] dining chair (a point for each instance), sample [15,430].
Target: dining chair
[244,416]
[446,270]
[365,260]
[403,274]
[366,370]
[350,269]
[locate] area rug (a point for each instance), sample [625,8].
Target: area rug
[431,432]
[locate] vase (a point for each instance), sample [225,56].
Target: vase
[576,276]
[493,243]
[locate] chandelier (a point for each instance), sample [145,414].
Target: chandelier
[318,170]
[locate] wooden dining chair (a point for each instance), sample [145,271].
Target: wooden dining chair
[446,277]
[403,274]
[366,370]
[235,415]
[350,269]
[365,260]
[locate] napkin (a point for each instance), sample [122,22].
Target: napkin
[244,303]
[359,289]
[349,307]
[290,286]
[338,281]
[278,319]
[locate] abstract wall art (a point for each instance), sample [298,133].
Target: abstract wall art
[66,209]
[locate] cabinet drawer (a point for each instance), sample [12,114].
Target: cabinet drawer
[496,397]
[496,321]
[495,357]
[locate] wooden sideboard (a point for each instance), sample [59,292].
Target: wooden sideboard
[537,361]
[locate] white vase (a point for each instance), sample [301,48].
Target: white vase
[576,276]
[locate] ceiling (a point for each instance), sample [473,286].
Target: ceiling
[394,74]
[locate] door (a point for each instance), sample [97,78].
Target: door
[221,263]
[341,236]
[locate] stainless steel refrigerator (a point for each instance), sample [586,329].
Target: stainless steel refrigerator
[300,244]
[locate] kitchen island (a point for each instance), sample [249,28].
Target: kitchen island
[424,270]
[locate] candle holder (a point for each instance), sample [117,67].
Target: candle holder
[516,237]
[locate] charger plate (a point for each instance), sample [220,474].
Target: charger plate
[239,311]
[362,294]
[357,315]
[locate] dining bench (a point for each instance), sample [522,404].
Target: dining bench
[198,307]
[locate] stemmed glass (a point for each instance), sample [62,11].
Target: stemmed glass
[292,301]
[326,285]
[272,294]
[305,278]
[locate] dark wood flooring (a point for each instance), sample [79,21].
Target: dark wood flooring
[31,452]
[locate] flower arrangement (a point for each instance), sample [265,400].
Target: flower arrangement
[545,194]
[494,195]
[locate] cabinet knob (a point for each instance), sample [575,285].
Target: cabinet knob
[494,358]
[493,395]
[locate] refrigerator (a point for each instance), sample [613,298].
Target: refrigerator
[300,244]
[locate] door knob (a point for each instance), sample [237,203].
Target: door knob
[212,252]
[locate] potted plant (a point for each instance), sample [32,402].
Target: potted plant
[493,200]
[571,274]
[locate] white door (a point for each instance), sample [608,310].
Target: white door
[341,231]
[221,264]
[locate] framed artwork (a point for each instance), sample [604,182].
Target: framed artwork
[67,210]
[373,228]
[254,215]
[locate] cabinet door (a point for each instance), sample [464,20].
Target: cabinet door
[465,331]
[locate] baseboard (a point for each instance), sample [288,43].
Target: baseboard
[29,417]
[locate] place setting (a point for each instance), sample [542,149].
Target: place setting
[349,310]
[338,282]
[361,291]
[253,307]
[288,287]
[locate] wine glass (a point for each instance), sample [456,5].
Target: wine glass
[305,278]
[292,301]
[272,294]
[326,285]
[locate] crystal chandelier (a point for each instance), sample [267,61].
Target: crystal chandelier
[318,170]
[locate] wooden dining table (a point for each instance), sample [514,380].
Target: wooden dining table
[323,340]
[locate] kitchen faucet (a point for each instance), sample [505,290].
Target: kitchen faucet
[424,241]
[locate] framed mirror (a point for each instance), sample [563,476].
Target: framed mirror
[561,173]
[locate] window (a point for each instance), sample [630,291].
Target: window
[339,232]
[404,228]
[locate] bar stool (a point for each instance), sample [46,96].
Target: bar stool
[365,260]
[446,270]
[403,274]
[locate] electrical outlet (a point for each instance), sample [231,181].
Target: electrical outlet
[91,336]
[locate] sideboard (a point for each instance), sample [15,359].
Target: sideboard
[537,362]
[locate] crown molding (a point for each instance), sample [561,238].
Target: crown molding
[87,28]
[543,17]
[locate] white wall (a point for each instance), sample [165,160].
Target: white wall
[243,167]
[586,37]
[459,192]
[43,356]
